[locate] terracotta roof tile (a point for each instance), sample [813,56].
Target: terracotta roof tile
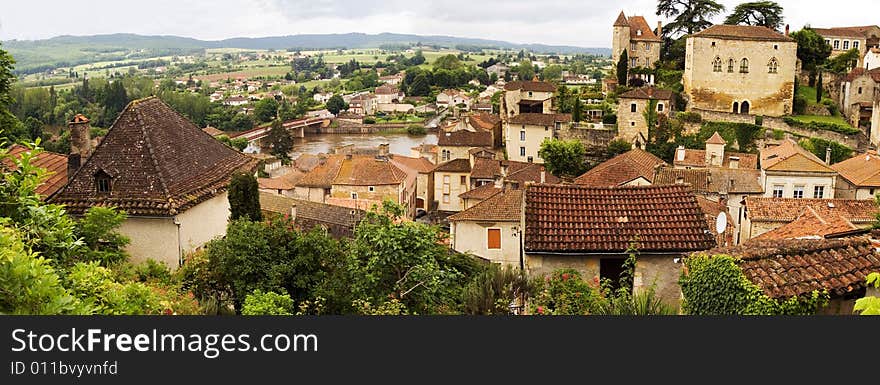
[622,169]
[485,120]
[368,171]
[788,209]
[483,192]
[536,119]
[787,268]
[711,210]
[638,23]
[516,171]
[857,32]
[323,174]
[862,170]
[465,138]
[809,225]
[621,20]
[713,180]
[284,182]
[697,158]
[696,178]
[339,220]
[213,131]
[160,163]
[647,93]
[716,139]
[742,32]
[55,164]
[530,85]
[579,219]
[420,165]
[455,165]
[789,156]
[503,206]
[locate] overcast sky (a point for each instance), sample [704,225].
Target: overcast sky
[585,23]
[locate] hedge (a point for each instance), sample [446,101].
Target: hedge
[823,126]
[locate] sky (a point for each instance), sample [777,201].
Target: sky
[584,23]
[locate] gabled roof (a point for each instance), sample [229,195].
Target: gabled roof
[504,206]
[789,156]
[538,119]
[742,32]
[696,178]
[421,165]
[647,93]
[340,220]
[455,165]
[622,169]
[697,158]
[713,180]
[577,219]
[485,120]
[794,267]
[788,209]
[639,24]
[621,20]
[716,139]
[159,161]
[55,164]
[322,176]
[515,171]
[483,192]
[810,224]
[284,182]
[530,85]
[465,138]
[857,32]
[862,170]
[368,171]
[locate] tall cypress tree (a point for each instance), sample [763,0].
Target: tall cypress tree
[622,69]
[244,197]
[819,88]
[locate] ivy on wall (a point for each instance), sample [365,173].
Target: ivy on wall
[715,285]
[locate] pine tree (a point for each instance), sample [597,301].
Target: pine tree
[244,197]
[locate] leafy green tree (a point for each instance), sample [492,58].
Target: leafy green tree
[563,157]
[493,290]
[812,50]
[115,99]
[552,72]
[336,104]
[618,146]
[420,86]
[244,197]
[564,292]
[762,13]
[268,303]
[819,89]
[266,109]
[99,231]
[622,69]
[689,16]
[577,109]
[869,305]
[447,62]
[525,70]
[843,63]
[280,142]
[97,287]
[9,124]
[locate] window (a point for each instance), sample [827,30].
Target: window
[633,47]
[871,191]
[522,151]
[102,182]
[445,155]
[371,188]
[522,136]
[659,107]
[647,47]
[354,195]
[730,66]
[530,93]
[860,90]
[819,192]
[828,41]
[463,180]
[773,66]
[744,66]
[856,44]
[632,107]
[845,45]
[837,44]
[446,184]
[632,124]
[716,65]
[635,62]
[530,159]
[445,198]
[798,192]
[778,190]
[493,238]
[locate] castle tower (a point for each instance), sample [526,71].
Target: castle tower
[620,40]
[715,150]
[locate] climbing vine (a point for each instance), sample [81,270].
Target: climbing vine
[715,285]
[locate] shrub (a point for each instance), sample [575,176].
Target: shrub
[800,105]
[565,293]
[609,119]
[689,117]
[416,130]
[369,120]
[759,120]
[269,303]
[818,147]
[822,126]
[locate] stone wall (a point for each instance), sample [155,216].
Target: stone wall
[769,122]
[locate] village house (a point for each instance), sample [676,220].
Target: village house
[634,35]
[632,107]
[450,181]
[507,173]
[766,214]
[527,131]
[476,195]
[499,69]
[812,225]
[491,229]
[426,150]
[55,165]
[236,101]
[740,69]
[714,155]
[448,98]
[460,139]
[858,177]
[322,97]
[168,175]
[858,92]
[872,59]
[593,230]
[843,39]
[527,97]
[783,269]
[363,104]
[790,171]
[336,221]
[636,167]
[389,94]
[284,184]
[489,92]
[423,168]
[392,79]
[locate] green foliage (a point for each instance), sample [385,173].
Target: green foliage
[819,89]
[266,110]
[577,110]
[98,229]
[688,16]
[280,142]
[742,134]
[818,146]
[618,146]
[869,305]
[390,307]
[689,117]
[244,197]
[564,293]
[494,290]
[715,285]
[609,119]
[447,62]
[800,105]
[525,70]
[416,130]
[268,303]
[812,49]
[623,68]
[369,120]
[843,63]
[821,125]
[336,104]
[563,157]
[650,115]
[762,13]
[95,285]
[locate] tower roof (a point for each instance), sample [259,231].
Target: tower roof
[716,139]
[621,21]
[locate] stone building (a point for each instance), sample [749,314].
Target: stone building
[631,109]
[790,171]
[843,39]
[527,131]
[527,97]
[634,35]
[858,177]
[857,95]
[635,167]
[490,229]
[740,69]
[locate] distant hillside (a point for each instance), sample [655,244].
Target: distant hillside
[61,51]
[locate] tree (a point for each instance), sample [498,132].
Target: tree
[10,125]
[618,146]
[576,110]
[420,86]
[336,104]
[244,197]
[280,142]
[812,50]
[563,157]
[447,62]
[525,70]
[99,231]
[688,16]
[268,303]
[869,305]
[843,63]
[622,68]
[115,99]
[819,89]
[762,13]
[266,110]
[552,72]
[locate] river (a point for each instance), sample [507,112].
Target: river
[400,144]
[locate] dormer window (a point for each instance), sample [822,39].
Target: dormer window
[639,32]
[102,182]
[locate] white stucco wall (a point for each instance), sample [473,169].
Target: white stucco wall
[152,238]
[204,222]
[535,135]
[472,237]
[789,181]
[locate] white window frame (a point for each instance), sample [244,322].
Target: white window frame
[371,188]
[820,190]
[846,45]
[780,188]
[522,135]
[798,189]
[522,151]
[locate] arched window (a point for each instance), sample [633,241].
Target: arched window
[773,66]
[744,107]
[744,66]
[735,107]
[730,65]
[716,65]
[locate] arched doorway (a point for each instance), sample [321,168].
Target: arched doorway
[735,107]
[744,108]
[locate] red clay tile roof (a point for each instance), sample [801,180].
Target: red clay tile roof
[323,174]
[485,120]
[482,192]
[809,225]
[789,156]
[55,164]
[742,32]
[713,180]
[368,171]
[788,209]
[859,71]
[788,268]
[530,85]
[160,163]
[465,138]
[638,23]
[536,119]
[387,89]
[711,210]
[647,93]
[716,139]
[857,32]
[696,178]
[504,206]
[621,20]
[697,158]
[420,165]
[622,169]
[284,182]
[577,219]
[521,172]
[455,165]
[862,170]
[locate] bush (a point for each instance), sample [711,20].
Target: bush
[416,130]
[689,117]
[269,303]
[818,147]
[369,121]
[744,134]
[822,126]
[565,293]
[759,120]
[800,105]
[609,119]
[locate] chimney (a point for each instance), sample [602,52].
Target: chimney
[679,153]
[80,136]
[383,149]
[659,28]
[734,162]
[543,176]
[786,30]
[828,155]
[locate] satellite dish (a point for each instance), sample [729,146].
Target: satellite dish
[721,223]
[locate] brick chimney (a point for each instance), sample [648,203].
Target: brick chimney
[786,30]
[384,149]
[80,143]
[659,28]
[828,155]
